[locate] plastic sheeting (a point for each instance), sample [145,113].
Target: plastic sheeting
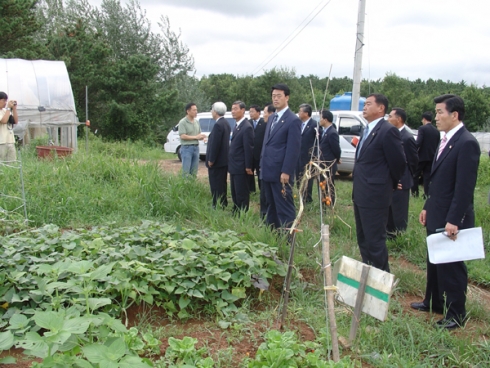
[43,93]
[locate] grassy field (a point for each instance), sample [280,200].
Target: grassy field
[121,184]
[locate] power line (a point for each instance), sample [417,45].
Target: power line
[291,37]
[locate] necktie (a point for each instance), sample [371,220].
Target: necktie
[441,146]
[255,124]
[303,128]
[364,137]
[274,122]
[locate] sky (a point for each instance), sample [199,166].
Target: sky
[438,39]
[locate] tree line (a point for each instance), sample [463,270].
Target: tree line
[140,80]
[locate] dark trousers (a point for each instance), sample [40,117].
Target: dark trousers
[309,189]
[280,206]
[398,215]
[240,192]
[333,172]
[446,288]
[218,183]
[371,235]
[423,171]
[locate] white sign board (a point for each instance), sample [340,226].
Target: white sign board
[379,287]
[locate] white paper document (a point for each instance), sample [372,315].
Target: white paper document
[467,246]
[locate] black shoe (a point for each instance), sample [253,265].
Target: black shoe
[448,324]
[423,308]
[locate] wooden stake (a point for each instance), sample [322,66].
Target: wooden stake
[327,271]
[358,308]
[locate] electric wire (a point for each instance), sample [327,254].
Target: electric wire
[273,54]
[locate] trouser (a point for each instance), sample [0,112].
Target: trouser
[190,159]
[280,205]
[240,192]
[446,288]
[218,183]
[7,152]
[423,170]
[398,216]
[371,235]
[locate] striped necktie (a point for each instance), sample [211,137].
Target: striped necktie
[274,122]
[441,146]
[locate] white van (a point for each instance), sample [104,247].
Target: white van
[349,124]
[207,123]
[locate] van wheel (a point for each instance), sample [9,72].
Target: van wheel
[202,157]
[178,154]
[343,173]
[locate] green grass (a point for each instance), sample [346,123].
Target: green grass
[121,184]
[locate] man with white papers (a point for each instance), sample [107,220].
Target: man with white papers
[449,207]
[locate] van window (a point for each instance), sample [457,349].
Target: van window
[207,124]
[349,126]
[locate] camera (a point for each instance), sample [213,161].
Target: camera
[15,103]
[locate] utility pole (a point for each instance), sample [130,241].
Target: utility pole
[356,87]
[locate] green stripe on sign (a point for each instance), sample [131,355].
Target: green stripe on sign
[369,290]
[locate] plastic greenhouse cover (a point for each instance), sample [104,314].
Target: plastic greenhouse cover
[42,90]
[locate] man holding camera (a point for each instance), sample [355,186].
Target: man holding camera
[8,117]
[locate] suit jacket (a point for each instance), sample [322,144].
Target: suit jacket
[281,147]
[330,146]
[241,148]
[259,132]
[378,167]
[428,138]
[452,183]
[308,138]
[218,146]
[410,149]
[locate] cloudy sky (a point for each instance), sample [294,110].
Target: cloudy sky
[439,39]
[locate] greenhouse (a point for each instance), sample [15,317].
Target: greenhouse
[45,102]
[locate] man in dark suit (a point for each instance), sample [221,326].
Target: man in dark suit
[449,206]
[217,151]
[280,154]
[259,129]
[379,165]
[428,138]
[398,216]
[330,150]
[240,158]
[309,141]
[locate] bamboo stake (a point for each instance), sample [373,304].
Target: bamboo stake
[327,271]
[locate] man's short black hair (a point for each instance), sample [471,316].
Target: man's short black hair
[400,113]
[240,104]
[270,108]
[256,108]
[453,103]
[189,106]
[3,96]
[281,87]
[427,116]
[327,114]
[306,108]
[380,100]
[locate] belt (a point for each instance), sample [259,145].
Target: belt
[190,145]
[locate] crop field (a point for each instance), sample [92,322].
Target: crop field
[123,263]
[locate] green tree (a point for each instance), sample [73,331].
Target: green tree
[477,108]
[18,27]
